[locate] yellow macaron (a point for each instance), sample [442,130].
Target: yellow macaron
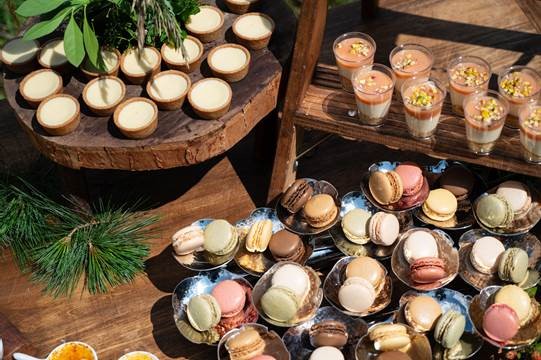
[440,205]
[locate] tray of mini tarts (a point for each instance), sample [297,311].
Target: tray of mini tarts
[217,56]
[151,66]
[170,80]
[307,309]
[57,61]
[199,91]
[55,105]
[174,58]
[102,87]
[125,111]
[33,80]
[527,332]
[253,42]
[241,6]
[90,72]
[527,242]
[19,64]
[273,343]
[203,283]
[297,338]
[446,251]
[207,34]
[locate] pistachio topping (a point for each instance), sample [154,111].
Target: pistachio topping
[489,110]
[514,85]
[368,83]
[422,95]
[359,48]
[534,119]
[408,60]
[469,75]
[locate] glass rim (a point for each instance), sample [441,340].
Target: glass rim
[350,34]
[369,67]
[464,58]
[525,112]
[489,93]
[519,68]
[419,47]
[419,80]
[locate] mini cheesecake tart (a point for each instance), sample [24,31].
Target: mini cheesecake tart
[136,118]
[19,55]
[207,24]
[111,64]
[53,55]
[210,98]
[140,66]
[174,58]
[103,94]
[253,30]
[240,6]
[59,114]
[168,89]
[40,84]
[230,62]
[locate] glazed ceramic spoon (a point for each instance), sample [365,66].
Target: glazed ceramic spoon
[21,356]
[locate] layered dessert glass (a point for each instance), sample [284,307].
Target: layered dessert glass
[519,85]
[352,51]
[467,74]
[423,101]
[530,132]
[485,114]
[410,60]
[373,85]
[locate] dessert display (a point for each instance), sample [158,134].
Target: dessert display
[373,86]
[485,115]
[517,195]
[423,101]
[188,240]
[139,66]
[449,328]
[458,180]
[327,353]
[513,265]
[383,228]
[259,236]
[110,62]
[59,114]
[103,94]
[229,62]
[240,6]
[175,60]
[485,254]
[39,85]
[53,56]
[440,205]
[220,238]
[247,344]
[210,98]
[19,55]
[494,211]
[422,312]
[138,355]
[530,133]
[329,333]
[287,246]
[168,89]
[252,342]
[518,85]
[390,337]
[296,196]
[73,349]
[355,226]
[253,30]
[207,24]
[352,51]
[410,60]
[136,118]
[320,210]
[467,74]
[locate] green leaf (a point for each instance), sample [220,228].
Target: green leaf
[46,27]
[91,42]
[38,7]
[73,43]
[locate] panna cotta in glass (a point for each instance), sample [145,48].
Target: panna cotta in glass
[103,94]
[168,89]
[136,118]
[210,98]
[59,114]
[352,51]
[39,85]
[409,60]
[175,59]
[53,55]
[530,132]
[230,62]
[109,63]
[19,55]
[253,30]
[139,66]
[373,86]
[484,114]
[519,85]
[467,74]
[207,24]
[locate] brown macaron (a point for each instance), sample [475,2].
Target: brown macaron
[286,246]
[296,196]
[328,333]
[385,187]
[458,180]
[320,210]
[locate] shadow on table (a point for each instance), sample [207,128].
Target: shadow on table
[164,272]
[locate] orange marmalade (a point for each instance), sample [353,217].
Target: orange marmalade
[73,351]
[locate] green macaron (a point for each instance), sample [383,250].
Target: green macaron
[280,303]
[494,211]
[513,265]
[203,312]
[220,237]
[449,328]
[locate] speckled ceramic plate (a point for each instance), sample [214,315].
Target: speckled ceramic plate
[309,306]
[526,334]
[203,284]
[297,339]
[296,222]
[447,252]
[273,344]
[203,260]
[336,277]
[528,242]
[470,342]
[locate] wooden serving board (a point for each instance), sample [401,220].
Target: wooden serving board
[12,338]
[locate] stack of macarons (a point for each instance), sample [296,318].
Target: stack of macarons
[285,245]
[247,344]
[326,353]
[360,227]
[459,180]
[440,205]
[517,195]
[328,337]
[389,337]
[421,251]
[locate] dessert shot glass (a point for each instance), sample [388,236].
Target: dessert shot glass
[373,86]
[467,74]
[351,51]
[423,100]
[410,60]
[484,114]
[530,132]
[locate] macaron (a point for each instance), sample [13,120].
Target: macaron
[187,240]
[369,269]
[393,355]
[263,357]
[259,236]
[383,228]
[407,202]
[326,353]
[280,303]
[245,345]
[517,299]
[221,237]
[517,195]
[293,277]
[427,270]
[440,205]
[449,328]
[355,226]
[296,196]
[320,210]
[420,244]
[356,294]
[412,178]
[230,296]
[458,180]
[513,265]
[328,333]
[286,246]
[390,337]
[494,211]
[485,254]
[422,312]
[203,312]
[385,187]
[500,323]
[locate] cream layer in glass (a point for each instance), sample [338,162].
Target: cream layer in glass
[519,85]
[351,52]
[409,60]
[467,74]
[530,132]
[423,101]
[373,86]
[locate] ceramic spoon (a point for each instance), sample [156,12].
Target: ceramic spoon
[21,356]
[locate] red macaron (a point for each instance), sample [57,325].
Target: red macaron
[427,270]
[420,196]
[500,323]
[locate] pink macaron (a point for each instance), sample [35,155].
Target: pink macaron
[415,199]
[230,296]
[383,228]
[500,323]
[427,270]
[263,357]
[412,178]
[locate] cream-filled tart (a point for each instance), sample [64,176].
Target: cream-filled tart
[240,6]
[210,98]
[53,55]
[40,84]
[140,66]
[103,94]
[19,55]
[230,62]
[168,89]
[207,24]
[175,60]
[110,60]
[136,118]
[59,114]
[253,30]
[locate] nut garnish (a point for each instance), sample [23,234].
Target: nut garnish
[489,110]
[406,61]
[514,85]
[368,83]
[359,48]
[469,75]
[534,119]
[423,95]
